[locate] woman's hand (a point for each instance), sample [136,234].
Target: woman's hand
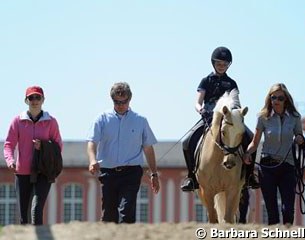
[299,139]
[247,158]
[12,167]
[37,144]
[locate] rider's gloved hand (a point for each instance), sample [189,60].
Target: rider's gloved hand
[202,111]
[205,114]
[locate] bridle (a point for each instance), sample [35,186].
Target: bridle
[227,150]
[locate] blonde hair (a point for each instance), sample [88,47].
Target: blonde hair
[289,104]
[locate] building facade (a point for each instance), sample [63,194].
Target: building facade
[76,193]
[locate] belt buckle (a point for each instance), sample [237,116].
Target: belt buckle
[118,169]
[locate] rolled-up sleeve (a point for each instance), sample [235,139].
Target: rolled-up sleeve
[148,135]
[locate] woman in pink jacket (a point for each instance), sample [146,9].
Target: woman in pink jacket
[24,135]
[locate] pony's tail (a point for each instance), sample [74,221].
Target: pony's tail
[220,206]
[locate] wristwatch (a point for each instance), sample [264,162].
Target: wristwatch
[154,174]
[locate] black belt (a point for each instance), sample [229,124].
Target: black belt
[274,161]
[267,160]
[122,168]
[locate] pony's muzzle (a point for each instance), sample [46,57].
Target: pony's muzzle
[229,164]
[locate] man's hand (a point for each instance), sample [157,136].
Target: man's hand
[155,185]
[94,167]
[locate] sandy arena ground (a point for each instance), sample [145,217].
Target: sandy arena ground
[164,231]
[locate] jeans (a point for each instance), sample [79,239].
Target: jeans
[119,193]
[31,197]
[280,178]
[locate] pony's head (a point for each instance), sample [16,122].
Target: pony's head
[228,129]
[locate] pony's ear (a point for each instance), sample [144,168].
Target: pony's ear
[244,111]
[225,110]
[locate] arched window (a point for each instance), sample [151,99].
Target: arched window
[8,205]
[142,204]
[73,202]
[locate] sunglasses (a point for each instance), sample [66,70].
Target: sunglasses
[118,102]
[34,97]
[279,98]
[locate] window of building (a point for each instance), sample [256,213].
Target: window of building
[8,204]
[73,202]
[142,204]
[200,211]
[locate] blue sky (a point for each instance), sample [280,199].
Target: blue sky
[77,49]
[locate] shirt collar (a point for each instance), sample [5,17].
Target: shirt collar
[273,112]
[224,76]
[45,116]
[121,115]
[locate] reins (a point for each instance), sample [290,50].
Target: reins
[274,166]
[171,148]
[298,153]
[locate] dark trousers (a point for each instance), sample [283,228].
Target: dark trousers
[119,193]
[280,178]
[31,198]
[243,205]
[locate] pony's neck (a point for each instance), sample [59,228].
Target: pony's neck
[217,116]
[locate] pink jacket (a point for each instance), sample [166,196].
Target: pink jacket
[21,134]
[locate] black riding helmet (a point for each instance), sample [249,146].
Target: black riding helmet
[221,53]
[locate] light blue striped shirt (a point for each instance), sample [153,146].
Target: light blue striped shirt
[278,135]
[120,138]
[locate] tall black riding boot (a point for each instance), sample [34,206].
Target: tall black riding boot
[190,183]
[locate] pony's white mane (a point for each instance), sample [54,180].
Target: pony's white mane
[231,100]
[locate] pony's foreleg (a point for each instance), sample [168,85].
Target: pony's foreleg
[232,203]
[212,215]
[201,195]
[220,206]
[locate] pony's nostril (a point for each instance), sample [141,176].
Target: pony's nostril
[229,165]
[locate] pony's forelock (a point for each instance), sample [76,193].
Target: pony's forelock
[230,100]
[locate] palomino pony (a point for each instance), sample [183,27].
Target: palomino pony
[220,161]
